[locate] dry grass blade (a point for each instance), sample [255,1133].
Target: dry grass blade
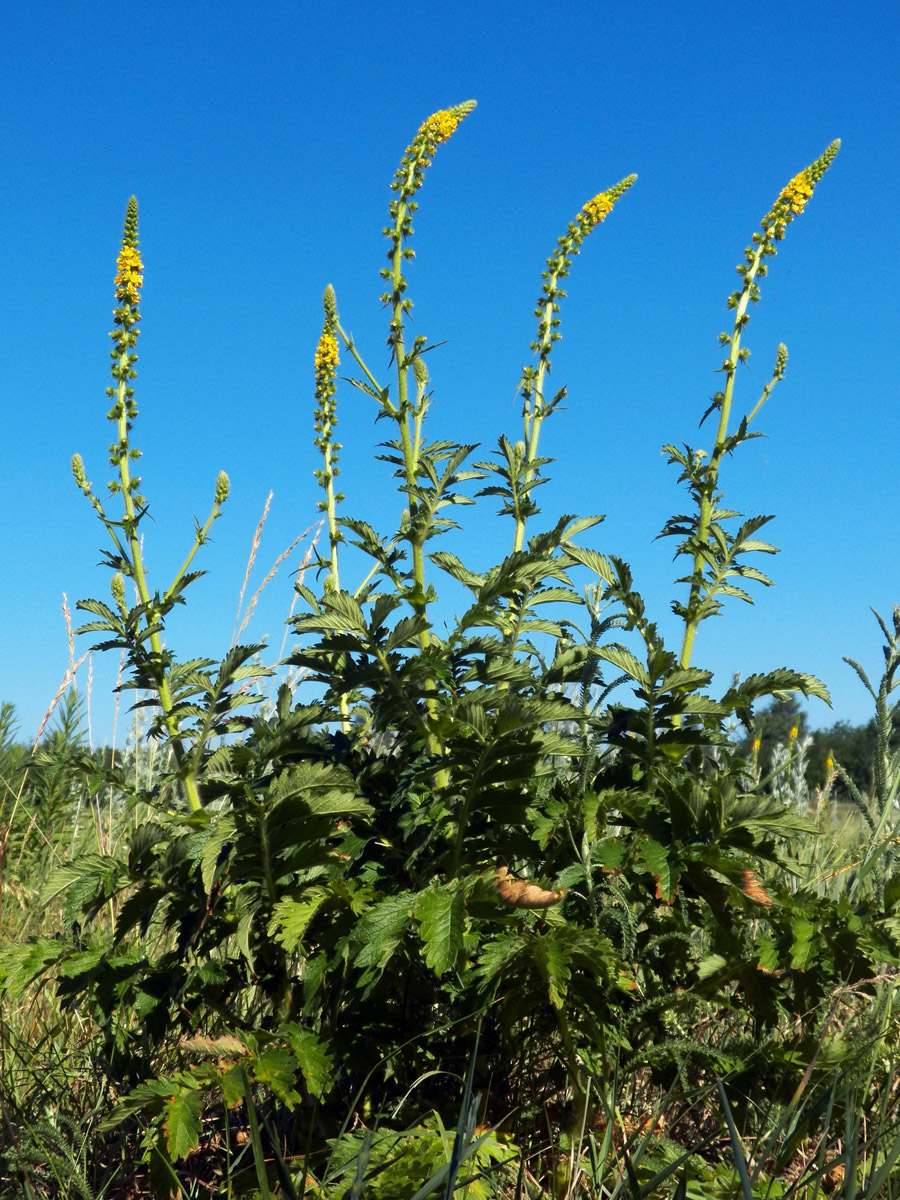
[254,547]
[60,691]
[273,571]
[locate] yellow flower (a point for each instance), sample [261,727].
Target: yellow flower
[829,764]
[326,359]
[756,745]
[129,275]
[792,733]
[797,193]
[439,126]
[596,210]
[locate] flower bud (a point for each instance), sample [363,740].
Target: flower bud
[223,486]
[78,472]
[329,303]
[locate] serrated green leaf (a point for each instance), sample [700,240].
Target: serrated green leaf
[654,857]
[553,956]
[767,954]
[710,965]
[276,1068]
[312,1058]
[804,933]
[182,1123]
[290,918]
[232,1084]
[441,914]
[624,661]
[64,877]
[219,836]
[381,929]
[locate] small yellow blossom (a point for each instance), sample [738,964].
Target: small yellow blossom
[797,193]
[439,126]
[129,275]
[756,745]
[327,359]
[792,733]
[829,764]
[596,210]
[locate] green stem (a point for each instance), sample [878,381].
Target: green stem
[707,499]
[199,539]
[140,579]
[373,382]
[411,448]
[333,539]
[535,411]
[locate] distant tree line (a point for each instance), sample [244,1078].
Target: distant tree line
[852,746]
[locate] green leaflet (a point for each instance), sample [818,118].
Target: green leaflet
[553,956]
[380,931]
[275,1067]
[312,1058]
[655,859]
[291,917]
[804,937]
[182,1123]
[441,916]
[101,867]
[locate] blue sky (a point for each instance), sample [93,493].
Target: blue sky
[260,141]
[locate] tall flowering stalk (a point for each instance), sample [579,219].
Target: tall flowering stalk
[535,406]
[144,624]
[714,553]
[409,411]
[326,363]
[412,399]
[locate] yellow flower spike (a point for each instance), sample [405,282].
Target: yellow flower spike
[792,733]
[599,208]
[129,275]
[793,198]
[829,764]
[797,193]
[440,125]
[326,360]
[756,746]
[596,210]
[433,132]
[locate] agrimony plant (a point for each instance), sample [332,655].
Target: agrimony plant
[459,830]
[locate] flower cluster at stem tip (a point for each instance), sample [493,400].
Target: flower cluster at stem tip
[797,192]
[440,125]
[410,176]
[596,210]
[793,198]
[325,367]
[791,201]
[591,215]
[126,316]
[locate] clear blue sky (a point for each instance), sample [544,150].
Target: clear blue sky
[261,140]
